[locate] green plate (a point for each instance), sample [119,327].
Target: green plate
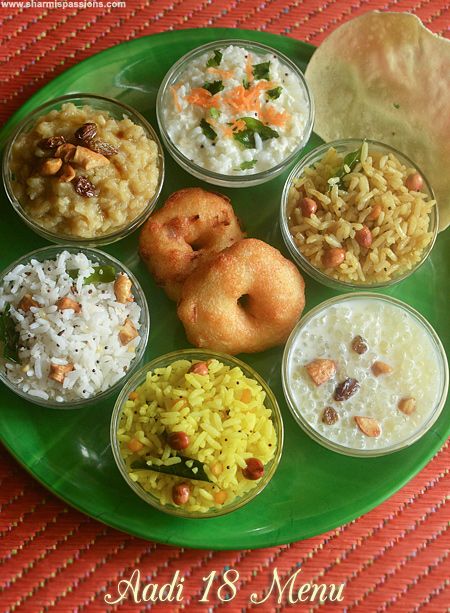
[314,490]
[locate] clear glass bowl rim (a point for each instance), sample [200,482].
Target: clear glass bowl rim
[231,180]
[365,453]
[311,158]
[196,354]
[64,239]
[51,251]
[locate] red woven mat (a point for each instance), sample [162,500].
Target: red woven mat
[53,558]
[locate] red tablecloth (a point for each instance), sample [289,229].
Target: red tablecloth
[53,558]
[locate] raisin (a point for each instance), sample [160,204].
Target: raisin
[52,143]
[99,146]
[346,389]
[84,187]
[329,416]
[360,345]
[86,133]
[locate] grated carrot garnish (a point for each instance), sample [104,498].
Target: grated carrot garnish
[238,125]
[241,99]
[174,91]
[265,85]
[226,131]
[269,115]
[225,74]
[202,97]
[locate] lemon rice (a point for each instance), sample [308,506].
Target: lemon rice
[224,417]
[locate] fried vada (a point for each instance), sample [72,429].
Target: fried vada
[192,227]
[247,299]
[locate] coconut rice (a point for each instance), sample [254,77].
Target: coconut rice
[224,415]
[400,232]
[52,338]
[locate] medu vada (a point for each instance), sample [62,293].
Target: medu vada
[247,299]
[192,226]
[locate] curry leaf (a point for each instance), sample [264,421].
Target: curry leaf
[9,336]
[275,93]
[196,471]
[253,126]
[261,71]
[101,274]
[215,59]
[247,165]
[214,87]
[207,130]
[246,138]
[349,162]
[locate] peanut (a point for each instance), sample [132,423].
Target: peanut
[414,182]
[181,493]
[374,213]
[308,207]
[333,257]
[254,469]
[200,368]
[364,237]
[178,440]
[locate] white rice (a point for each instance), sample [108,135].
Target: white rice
[89,339]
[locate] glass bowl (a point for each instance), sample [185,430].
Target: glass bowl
[46,253]
[344,147]
[200,355]
[118,110]
[217,178]
[358,365]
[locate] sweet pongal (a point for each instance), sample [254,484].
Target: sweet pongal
[82,173]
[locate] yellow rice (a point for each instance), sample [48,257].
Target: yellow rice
[400,233]
[223,430]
